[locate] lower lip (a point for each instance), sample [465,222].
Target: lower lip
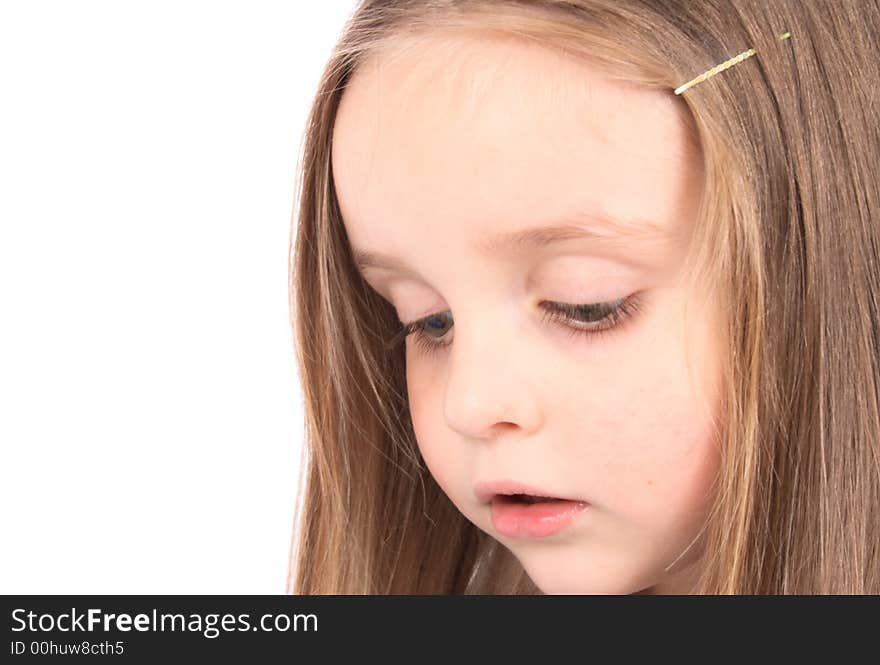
[533,520]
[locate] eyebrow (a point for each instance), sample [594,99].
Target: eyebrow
[598,228]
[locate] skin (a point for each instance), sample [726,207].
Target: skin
[441,144]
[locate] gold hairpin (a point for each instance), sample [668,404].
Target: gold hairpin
[720,68]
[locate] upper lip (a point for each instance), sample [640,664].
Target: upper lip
[487,490]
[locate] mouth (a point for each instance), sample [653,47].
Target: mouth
[510,492]
[525,498]
[530,516]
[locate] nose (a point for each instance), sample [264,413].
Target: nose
[488,389]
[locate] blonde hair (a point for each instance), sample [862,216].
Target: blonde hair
[788,235]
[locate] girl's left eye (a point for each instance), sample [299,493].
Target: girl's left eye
[593,319]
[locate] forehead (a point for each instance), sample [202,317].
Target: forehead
[454,140]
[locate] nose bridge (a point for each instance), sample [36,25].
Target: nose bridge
[488,381]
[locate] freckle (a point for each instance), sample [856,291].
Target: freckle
[650,482]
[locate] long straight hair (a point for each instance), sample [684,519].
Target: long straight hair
[788,235]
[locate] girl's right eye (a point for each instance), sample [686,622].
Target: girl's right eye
[590,319]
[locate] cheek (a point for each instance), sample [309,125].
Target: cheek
[652,473]
[670,482]
[425,391]
[656,453]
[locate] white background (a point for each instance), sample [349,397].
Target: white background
[150,419]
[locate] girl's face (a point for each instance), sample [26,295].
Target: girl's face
[441,154]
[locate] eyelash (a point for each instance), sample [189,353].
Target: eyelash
[619,311]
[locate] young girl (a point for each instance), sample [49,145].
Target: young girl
[565,325]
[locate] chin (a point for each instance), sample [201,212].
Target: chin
[587,580]
[580,589]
